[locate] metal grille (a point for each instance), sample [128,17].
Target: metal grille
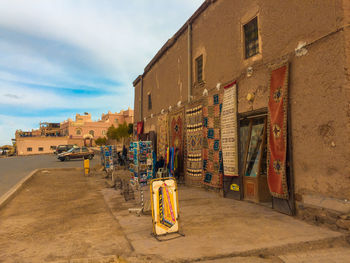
[199,66]
[251,38]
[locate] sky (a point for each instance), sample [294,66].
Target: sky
[62,57]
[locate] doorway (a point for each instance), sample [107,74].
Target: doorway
[252,158]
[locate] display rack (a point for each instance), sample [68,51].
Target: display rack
[141,159]
[108,154]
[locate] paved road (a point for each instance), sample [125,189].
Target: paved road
[13,169]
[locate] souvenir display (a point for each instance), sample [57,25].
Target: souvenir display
[108,155]
[229,130]
[277,133]
[194,136]
[140,153]
[162,135]
[211,152]
[165,206]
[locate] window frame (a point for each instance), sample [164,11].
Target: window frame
[261,147]
[199,77]
[149,100]
[255,17]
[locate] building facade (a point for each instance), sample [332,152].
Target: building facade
[84,127]
[82,131]
[40,141]
[38,145]
[293,52]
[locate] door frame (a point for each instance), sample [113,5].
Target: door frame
[262,112]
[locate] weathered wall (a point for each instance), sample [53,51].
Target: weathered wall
[35,142]
[137,101]
[319,89]
[166,81]
[318,105]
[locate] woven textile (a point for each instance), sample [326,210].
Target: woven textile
[211,150]
[194,134]
[229,130]
[277,133]
[176,131]
[162,134]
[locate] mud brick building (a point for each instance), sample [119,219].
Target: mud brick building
[296,53]
[81,131]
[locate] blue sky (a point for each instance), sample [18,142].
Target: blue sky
[62,57]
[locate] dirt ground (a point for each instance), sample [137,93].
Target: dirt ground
[64,217]
[60,216]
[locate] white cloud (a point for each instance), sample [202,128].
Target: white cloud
[122,35]
[114,38]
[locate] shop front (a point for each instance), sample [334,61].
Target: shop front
[264,151]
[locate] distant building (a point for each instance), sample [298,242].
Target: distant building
[83,128]
[39,141]
[81,131]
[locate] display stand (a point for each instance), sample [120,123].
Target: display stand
[141,165]
[165,209]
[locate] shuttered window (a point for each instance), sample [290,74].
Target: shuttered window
[199,68]
[251,38]
[149,102]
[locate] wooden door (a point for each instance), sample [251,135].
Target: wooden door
[253,164]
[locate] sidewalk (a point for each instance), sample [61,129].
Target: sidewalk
[217,228]
[64,217]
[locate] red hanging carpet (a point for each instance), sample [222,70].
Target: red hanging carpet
[277,133]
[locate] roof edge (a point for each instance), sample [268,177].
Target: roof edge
[173,40]
[137,80]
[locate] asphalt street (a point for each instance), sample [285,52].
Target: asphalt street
[13,169]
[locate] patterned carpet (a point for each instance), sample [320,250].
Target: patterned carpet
[277,133]
[229,130]
[194,134]
[176,134]
[211,152]
[162,134]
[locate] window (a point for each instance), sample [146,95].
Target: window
[199,68]
[76,150]
[53,147]
[78,132]
[149,101]
[253,146]
[251,38]
[116,121]
[41,149]
[29,149]
[92,133]
[104,132]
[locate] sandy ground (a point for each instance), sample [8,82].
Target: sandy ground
[59,216]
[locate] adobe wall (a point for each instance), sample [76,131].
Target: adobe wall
[346,6]
[137,101]
[35,142]
[169,74]
[319,89]
[317,81]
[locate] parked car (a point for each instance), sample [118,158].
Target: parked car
[76,153]
[8,150]
[63,148]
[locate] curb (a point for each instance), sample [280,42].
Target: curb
[9,195]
